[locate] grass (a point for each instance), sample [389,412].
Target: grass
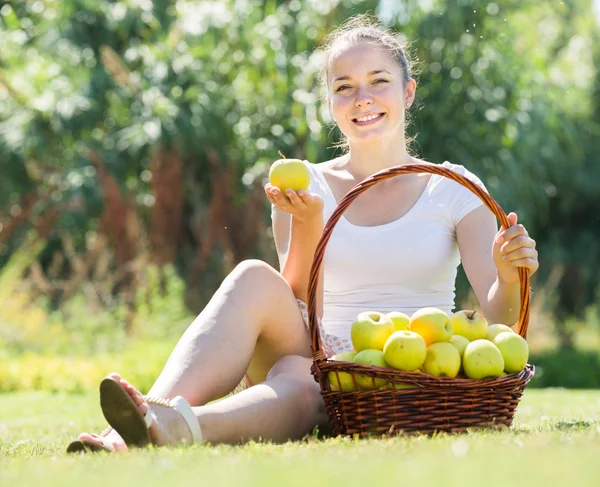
[555,441]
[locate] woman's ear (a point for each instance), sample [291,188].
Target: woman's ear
[410,91]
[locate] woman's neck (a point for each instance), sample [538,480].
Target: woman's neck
[364,160]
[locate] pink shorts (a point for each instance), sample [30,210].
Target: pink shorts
[330,343]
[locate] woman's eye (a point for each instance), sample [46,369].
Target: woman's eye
[342,88]
[380,81]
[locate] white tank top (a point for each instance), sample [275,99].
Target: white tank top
[404,265]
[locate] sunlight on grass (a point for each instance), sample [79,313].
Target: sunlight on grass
[553,428]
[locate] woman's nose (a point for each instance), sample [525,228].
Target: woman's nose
[363,97]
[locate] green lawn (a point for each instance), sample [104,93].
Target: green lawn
[555,441]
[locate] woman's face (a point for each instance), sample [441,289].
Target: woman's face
[367,93]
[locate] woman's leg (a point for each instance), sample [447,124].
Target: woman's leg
[251,322]
[286,406]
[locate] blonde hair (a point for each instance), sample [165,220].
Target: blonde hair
[360,28]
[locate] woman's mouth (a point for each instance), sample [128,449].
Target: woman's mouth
[368,119]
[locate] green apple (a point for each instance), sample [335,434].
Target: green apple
[404,385]
[401,321]
[432,324]
[493,330]
[442,360]
[482,359]
[370,357]
[514,350]
[460,342]
[470,324]
[405,350]
[342,380]
[289,174]
[370,330]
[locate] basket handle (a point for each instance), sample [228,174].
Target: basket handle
[495,208]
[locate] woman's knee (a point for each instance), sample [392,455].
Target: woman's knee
[256,271]
[292,365]
[295,371]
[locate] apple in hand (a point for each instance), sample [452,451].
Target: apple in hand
[342,380]
[494,330]
[405,350]
[370,330]
[401,321]
[470,324]
[289,174]
[482,359]
[370,357]
[514,350]
[460,343]
[432,324]
[442,360]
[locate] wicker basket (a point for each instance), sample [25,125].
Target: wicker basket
[432,403]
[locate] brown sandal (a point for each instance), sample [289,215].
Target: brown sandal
[124,415]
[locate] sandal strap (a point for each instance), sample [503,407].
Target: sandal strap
[106,432]
[183,407]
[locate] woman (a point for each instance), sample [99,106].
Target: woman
[397,247]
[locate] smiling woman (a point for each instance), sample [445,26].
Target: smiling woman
[397,249]
[368,82]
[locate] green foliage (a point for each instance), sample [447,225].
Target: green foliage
[141,362]
[510,90]
[574,369]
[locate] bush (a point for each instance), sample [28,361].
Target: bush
[569,368]
[141,364]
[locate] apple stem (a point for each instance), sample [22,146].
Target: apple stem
[471,317]
[282,156]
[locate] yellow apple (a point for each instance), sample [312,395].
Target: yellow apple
[370,330]
[342,380]
[405,350]
[470,324]
[401,321]
[493,330]
[442,360]
[514,350]
[289,174]
[432,324]
[482,359]
[460,343]
[370,357]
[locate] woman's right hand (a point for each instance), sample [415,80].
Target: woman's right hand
[302,205]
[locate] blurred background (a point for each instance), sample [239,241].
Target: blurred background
[136,137]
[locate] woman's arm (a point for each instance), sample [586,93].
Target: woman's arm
[492,265]
[297,227]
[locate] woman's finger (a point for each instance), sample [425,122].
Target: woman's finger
[512,232]
[529,263]
[517,242]
[520,253]
[295,199]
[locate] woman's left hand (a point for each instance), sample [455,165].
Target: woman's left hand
[513,248]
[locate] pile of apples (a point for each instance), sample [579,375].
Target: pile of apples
[430,342]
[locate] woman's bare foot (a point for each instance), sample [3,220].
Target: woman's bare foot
[112,440]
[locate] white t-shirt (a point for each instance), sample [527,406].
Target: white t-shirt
[404,265]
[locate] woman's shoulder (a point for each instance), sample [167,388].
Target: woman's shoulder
[457,168]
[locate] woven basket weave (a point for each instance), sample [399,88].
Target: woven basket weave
[432,403]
